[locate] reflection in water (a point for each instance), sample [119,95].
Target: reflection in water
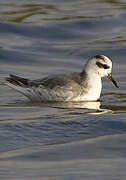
[92,107]
[80,105]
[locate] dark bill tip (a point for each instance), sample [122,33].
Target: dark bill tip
[113,80]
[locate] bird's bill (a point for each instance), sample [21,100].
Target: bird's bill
[113,80]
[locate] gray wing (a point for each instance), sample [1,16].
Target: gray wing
[62,80]
[49,82]
[58,87]
[67,86]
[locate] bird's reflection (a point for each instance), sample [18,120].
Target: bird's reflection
[80,105]
[91,107]
[85,107]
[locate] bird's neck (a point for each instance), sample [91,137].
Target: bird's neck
[92,82]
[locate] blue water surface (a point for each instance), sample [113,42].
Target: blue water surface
[65,141]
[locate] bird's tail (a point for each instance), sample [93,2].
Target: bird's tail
[17,81]
[22,85]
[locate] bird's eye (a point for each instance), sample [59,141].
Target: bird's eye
[100,65]
[106,66]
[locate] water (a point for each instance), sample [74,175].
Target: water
[64,141]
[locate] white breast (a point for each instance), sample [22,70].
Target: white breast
[93,90]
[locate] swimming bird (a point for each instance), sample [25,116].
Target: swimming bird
[77,86]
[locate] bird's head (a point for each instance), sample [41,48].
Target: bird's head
[101,66]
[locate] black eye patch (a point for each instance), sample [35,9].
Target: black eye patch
[100,65]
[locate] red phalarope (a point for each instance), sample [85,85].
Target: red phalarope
[84,86]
